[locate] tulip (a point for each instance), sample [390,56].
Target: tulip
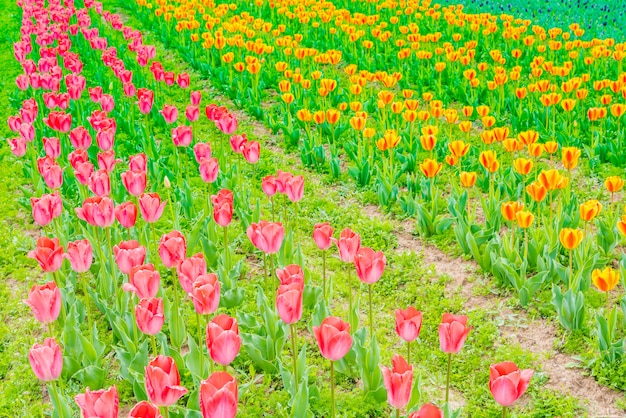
[126,214]
[322,235]
[589,210]
[163,381]
[18,146]
[266,236]
[408,326]
[80,255]
[172,249]
[182,136]
[209,169]
[151,207]
[453,331]
[427,411]
[138,162]
[134,182]
[149,315]
[605,280]
[569,157]
[227,123]
[222,339]
[468,179]
[53,176]
[348,243]
[294,188]
[189,270]
[334,340]
[202,150]
[46,360]
[223,207]
[398,381]
[80,138]
[144,409]
[621,225]
[170,113]
[289,302]
[195,97]
[45,302]
[99,403]
[107,161]
[48,253]
[570,238]
[370,266]
[205,293]
[291,274]
[143,281]
[219,396]
[46,208]
[268,184]
[52,147]
[251,151]
[97,211]
[507,383]
[129,254]
[430,168]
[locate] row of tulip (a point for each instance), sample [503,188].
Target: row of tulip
[117,291]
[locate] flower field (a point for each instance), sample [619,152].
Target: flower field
[300,208]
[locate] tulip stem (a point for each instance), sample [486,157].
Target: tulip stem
[174,285]
[154,345]
[324,274]
[57,399]
[55,276]
[332,389]
[448,378]
[50,333]
[200,345]
[271,275]
[350,295]
[397,413]
[87,309]
[571,271]
[369,290]
[504,412]
[408,352]
[166,412]
[292,328]
[226,251]
[111,262]
[265,275]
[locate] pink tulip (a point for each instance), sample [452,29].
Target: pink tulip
[95,93]
[427,411]
[22,82]
[348,243]
[202,150]
[143,281]
[107,160]
[507,382]
[408,323]
[151,207]
[237,143]
[172,249]
[222,339]
[46,208]
[46,360]
[195,97]
[369,264]
[53,176]
[149,315]
[134,182]
[251,151]
[398,382]
[291,274]
[97,211]
[80,138]
[45,302]
[138,162]
[27,132]
[322,235]
[289,302]
[294,188]
[282,177]
[183,80]
[266,236]
[227,123]
[205,294]
[59,121]
[189,270]
[144,409]
[99,403]
[129,254]
[219,396]
[107,103]
[182,136]
[126,214]
[145,99]
[78,157]
[453,331]
[170,113]
[163,381]
[105,138]
[192,113]
[333,338]
[223,207]
[52,146]
[268,184]
[100,183]
[129,90]
[48,253]
[18,146]
[209,169]
[80,255]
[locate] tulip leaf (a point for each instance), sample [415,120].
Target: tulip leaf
[416,394]
[91,376]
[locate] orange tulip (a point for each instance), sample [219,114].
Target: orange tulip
[569,157]
[468,179]
[489,160]
[487,137]
[389,140]
[501,133]
[458,148]
[536,191]
[524,219]
[523,166]
[451,160]
[570,238]
[510,209]
[428,142]
[332,116]
[430,168]
[465,126]
[552,179]
[606,279]
[304,115]
[614,184]
[551,147]
[589,210]
[319,117]
[621,225]
[535,150]
[357,123]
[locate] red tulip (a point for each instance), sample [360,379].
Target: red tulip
[223,207]
[134,182]
[48,253]
[408,323]
[291,274]
[149,315]
[151,207]
[129,254]
[222,339]
[59,121]
[369,264]
[507,382]
[182,136]
[99,403]
[205,294]
[144,409]
[144,281]
[219,396]
[268,184]
[170,113]
[126,214]
[45,302]
[289,302]
[453,331]
[209,169]
[46,360]
[163,381]
[46,208]
[189,270]
[80,138]
[80,255]
[427,411]
[266,236]
[398,382]
[348,243]
[172,249]
[333,338]
[322,235]
[294,188]
[100,183]
[97,211]
[95,93]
